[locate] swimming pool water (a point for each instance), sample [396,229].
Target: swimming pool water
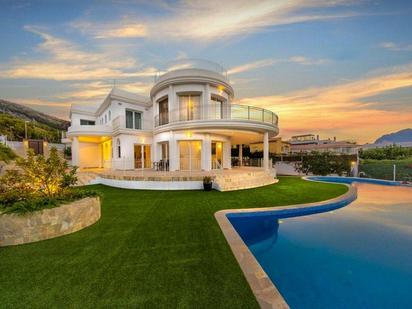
[358,256]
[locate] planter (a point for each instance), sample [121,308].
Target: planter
[48,223]
[207,186]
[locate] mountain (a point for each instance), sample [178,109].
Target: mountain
[401,136]
[27,113]
[13,117]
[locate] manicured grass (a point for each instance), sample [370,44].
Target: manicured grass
[150,249]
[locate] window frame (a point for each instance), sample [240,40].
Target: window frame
[134,112]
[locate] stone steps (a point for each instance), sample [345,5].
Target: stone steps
[245,180]
[85,178]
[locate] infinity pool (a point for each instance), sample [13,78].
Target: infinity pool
[358,256]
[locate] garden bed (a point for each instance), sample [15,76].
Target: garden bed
[44,224]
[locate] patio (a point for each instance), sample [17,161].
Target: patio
[224,179]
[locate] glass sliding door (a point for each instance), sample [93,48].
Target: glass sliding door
[217,155]
[165,151]
[216,108]
[190,155]
[142,156]
[137,156]
[163,112]
[189,107]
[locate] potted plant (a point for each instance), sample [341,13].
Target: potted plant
[207,183]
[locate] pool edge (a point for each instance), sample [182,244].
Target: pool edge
[265,291]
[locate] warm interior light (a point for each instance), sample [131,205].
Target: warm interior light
[220,89]
[189,134]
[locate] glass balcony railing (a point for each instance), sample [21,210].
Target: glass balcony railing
[191,64]
[217,112]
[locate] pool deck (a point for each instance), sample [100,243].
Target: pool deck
[266,293]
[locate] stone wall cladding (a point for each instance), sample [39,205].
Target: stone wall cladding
[48,223]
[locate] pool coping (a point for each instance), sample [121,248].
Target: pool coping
[265,291]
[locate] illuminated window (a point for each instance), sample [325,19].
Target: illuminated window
[189,107]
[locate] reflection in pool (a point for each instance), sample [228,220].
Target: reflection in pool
[358,256]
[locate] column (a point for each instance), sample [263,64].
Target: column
[75,151]
[171,103]
[241,155]
[206,153]
[206,102]
[266,150]
[173,153]
[227,160]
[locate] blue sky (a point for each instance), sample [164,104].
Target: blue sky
[335,68]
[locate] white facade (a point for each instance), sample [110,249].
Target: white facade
[187,123]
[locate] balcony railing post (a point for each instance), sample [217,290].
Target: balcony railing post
[248,112]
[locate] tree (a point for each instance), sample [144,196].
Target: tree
[324,163]
[37,176]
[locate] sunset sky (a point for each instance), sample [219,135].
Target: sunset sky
[334,68]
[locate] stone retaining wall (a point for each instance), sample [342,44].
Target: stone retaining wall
[48,223]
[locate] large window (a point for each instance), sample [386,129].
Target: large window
[189,107]
[133,119]
[216,108]
[85,122]
[163,112]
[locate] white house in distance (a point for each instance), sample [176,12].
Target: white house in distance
[187,123]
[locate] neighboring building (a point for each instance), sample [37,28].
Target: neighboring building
[187,123]
[276,146]
[308,143]
[304,139]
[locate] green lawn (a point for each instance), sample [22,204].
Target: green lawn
[150,249]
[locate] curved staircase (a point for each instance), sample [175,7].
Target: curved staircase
[86,178]
[243,180]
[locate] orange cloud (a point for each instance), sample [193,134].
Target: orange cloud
[339,110]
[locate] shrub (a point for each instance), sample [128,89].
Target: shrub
[392,152]
[324,163]
[37,183]
[34,204]
[6,153]
[68,152]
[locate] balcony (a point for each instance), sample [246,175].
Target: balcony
[119,123]
[92,130]
[218,112]
[116,125]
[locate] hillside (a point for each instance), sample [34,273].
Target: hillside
[401,136]
[40,126]
[27,113]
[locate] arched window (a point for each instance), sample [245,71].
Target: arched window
[110,115]
[119,150]
[105,118]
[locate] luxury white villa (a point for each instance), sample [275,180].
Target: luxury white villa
[187,124]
